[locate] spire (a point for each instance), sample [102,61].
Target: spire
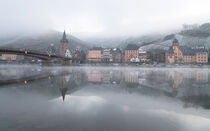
[64,39]
[64,34]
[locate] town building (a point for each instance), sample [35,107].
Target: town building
[142,55]
[77,55]
[156,55]
[107,55]
[82,56]
[63,45]
[116,55]
[201,56]
[95,54]
[184,54]
[68,54]
[131,53]
[9,57]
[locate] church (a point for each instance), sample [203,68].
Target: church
[184,54]
[64,47]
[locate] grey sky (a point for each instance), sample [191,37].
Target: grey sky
[105,17]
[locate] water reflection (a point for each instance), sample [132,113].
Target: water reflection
[106,99]
[177,83]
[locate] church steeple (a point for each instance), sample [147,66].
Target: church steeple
[64,39]
[64,45]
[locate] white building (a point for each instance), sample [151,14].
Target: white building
[68,54]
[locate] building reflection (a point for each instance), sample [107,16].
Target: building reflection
[166,80]
[177,77]
[13,72]
[202,76]
[58,85]
[131,76]
[182,84]
[70,83]
[116,77]
[106,77]
[63,85]
[172,83]
[94,76]
[113,77]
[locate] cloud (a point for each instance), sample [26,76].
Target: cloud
[105,17]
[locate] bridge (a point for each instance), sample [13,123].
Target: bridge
[34,54]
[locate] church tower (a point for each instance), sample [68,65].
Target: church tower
[63,45]
[175,42]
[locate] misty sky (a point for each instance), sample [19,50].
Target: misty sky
[105,17]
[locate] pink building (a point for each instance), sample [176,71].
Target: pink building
[94,54]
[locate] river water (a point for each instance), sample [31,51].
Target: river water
[34,98]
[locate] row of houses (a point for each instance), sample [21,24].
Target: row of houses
[11,57]
[132,54]
[135,54]
[98,54]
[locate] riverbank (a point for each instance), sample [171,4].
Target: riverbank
[161,65]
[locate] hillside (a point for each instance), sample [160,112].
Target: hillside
[197,36]
[191,36]
[42,41]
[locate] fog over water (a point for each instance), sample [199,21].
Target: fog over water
[99,98]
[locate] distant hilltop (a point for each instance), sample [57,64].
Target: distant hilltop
[41,42]
[189,35]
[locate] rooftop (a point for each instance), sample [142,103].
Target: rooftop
[116,50]
[187,50]
[96,48]
[132,47]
